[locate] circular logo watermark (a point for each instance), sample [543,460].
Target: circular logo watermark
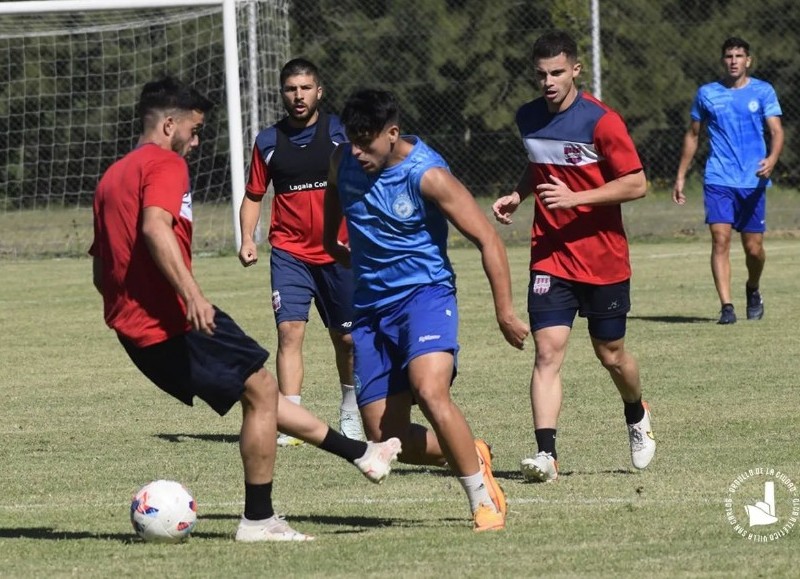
[762,505]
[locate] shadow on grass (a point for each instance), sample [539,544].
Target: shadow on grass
[228,438]
[50,534]
[673,319]
[357,521]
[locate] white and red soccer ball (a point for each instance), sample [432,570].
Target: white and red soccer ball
[163,511]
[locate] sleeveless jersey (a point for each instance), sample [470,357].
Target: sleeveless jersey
[297,163]
[398,239]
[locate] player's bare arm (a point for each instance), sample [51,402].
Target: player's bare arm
[333,214]
[249,213]
[690,142]
[766,166]
[556,194]
[507,204]
[460,208]
[166,253]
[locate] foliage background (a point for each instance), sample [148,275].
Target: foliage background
[460,68]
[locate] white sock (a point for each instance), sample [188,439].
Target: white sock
[349,398]
[477,493]
[295,399]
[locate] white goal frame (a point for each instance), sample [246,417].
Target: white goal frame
[237,158]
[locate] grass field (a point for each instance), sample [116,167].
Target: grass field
[82,430]
[68,232]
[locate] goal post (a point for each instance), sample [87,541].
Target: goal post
[71,71]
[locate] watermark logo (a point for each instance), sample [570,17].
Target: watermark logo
[762,505]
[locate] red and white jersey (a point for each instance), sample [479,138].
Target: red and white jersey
[585,146]
[139,303]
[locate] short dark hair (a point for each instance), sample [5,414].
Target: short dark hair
[735,42]
[299,66]
[367,111]
[553,43]
[168,94]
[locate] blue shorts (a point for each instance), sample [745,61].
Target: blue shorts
[213,368]
[554,301]
[295,283]
[386,340]
[745,209]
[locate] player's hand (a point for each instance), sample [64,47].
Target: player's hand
[248,254]
[556,194]
[200,314]
[341,254]
[765,168]
[504,207]
[515,331]
[677,192]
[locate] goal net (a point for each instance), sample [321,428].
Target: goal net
[69,82]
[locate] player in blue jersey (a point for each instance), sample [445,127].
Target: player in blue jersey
[397,195]
[734,111]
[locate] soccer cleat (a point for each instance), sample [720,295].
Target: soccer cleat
[274,528]
[540,468]
[727,315]
[495,491]
[286,440]
[376,464]
[643,444]
[350,424]
[755,304]
[487,518]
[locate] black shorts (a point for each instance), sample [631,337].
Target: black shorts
[213,368]
[554,301]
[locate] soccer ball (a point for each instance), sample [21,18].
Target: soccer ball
[163,511]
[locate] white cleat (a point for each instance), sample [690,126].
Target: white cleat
[643,444]
[376,464]
[350,424]
[274,528]
[540,468]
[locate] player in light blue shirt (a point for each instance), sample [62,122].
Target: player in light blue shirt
[734,111]
[397,196]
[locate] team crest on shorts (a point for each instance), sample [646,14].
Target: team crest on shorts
[276,301]
[541,284]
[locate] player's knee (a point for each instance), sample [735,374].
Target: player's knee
[260,391]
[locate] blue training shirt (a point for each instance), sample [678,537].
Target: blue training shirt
[735,120]
[398,239]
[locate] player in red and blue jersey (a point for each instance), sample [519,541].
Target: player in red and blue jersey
[293,154]
[734,111]
[582,166]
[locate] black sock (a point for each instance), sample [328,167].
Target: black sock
[546,440]
[346,448]
[258,501]
[634,411]
[750,290]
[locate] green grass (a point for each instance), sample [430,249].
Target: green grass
[82,430]
[68,232]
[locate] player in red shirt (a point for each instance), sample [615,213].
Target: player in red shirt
[187,347]
[293,155]
[582,166]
